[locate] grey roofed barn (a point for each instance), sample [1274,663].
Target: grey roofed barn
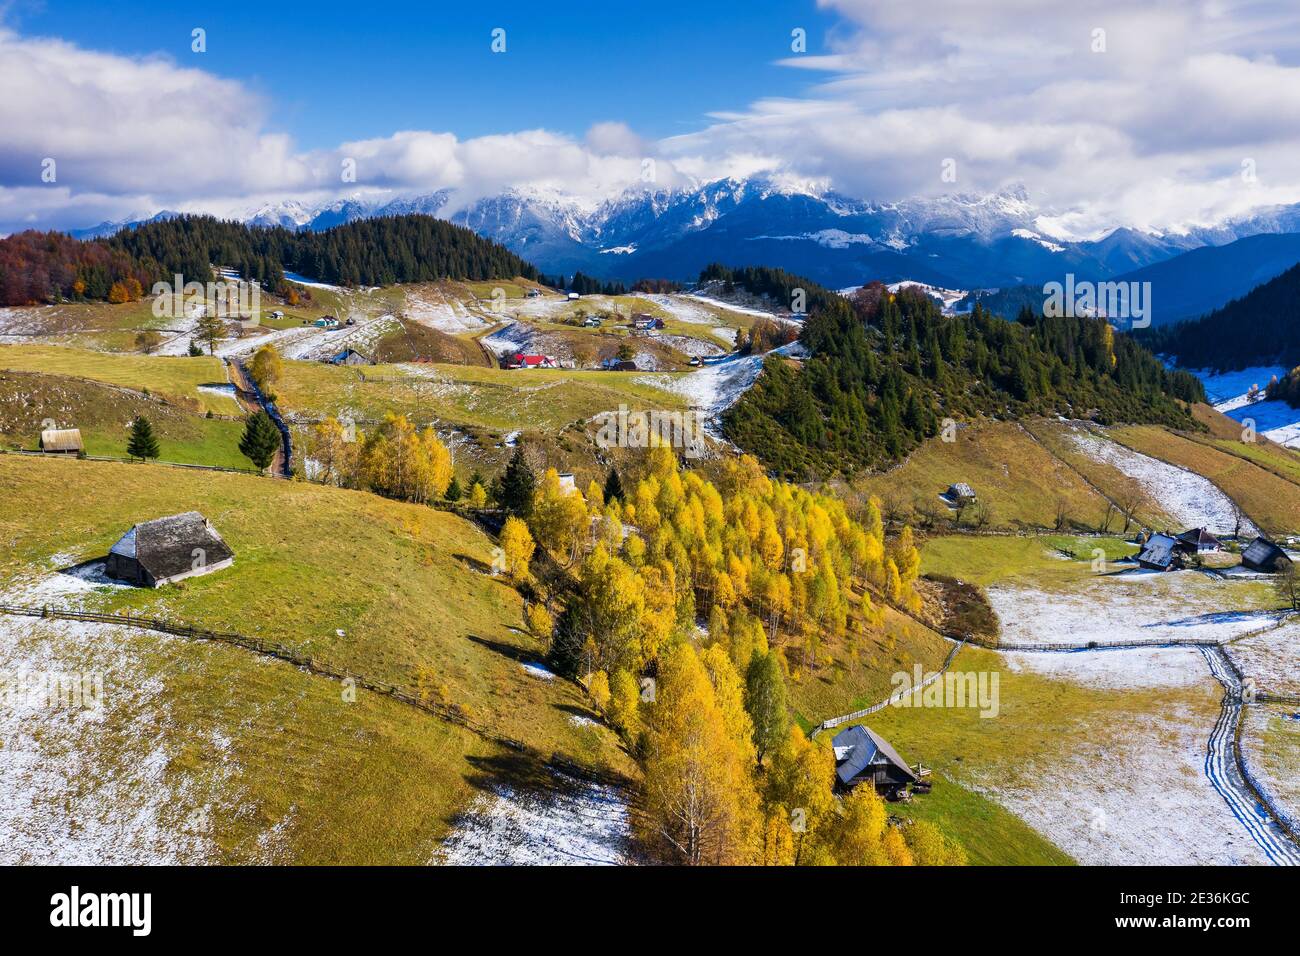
[1198,540]
[861,754]
[1263,555]
[158,552]
[1160,553]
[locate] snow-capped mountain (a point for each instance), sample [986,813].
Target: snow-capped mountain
[955,241]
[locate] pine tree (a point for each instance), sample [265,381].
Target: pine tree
[613,486]
[516,494]
[453,490]
[260,441]
[143,444]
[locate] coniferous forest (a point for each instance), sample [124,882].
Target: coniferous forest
[50,267]
[884,370]
[1260,328]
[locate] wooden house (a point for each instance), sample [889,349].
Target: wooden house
[1160,553]
[1198,541]
[350,356]
[164,550]
[863,756]
[1263,555]
[62,441]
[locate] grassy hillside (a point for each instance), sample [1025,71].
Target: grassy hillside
[1015,477]
[174,378]
[520,399]
[102,412]
[1270,500]
[211,754]
[380,587]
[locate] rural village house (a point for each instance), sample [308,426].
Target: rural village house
[862,755]
[165,550]
[1161,552]
[1198,541]
[1263,555]
[350,356]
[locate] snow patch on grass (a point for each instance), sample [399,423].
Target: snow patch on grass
[1193,501]
[573,824]
[1120,669]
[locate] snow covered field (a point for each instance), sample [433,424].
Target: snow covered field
[1229,393]
[1137,796]
[1271,659]
[1127,607]
[571,823]
[1119,669]
[1193,501]
[85,785]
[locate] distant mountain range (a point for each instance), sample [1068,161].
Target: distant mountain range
[955,241]
[1186,286]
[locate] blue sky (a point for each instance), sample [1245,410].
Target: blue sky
[337,71]
[1160,115]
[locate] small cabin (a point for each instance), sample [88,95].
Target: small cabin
[62,441]
[863,756]
[592,322]
[350,356]
[533,293]
[1160,553]
[1263,555]
[1198,541]
[567,482]
[165,550]
[326,322]
[618,365]
[573,296]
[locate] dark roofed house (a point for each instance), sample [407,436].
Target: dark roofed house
[1160,553]
[158,552]
[1198,541]
[62,441]
[862,755]
[350,356]
[1263,555]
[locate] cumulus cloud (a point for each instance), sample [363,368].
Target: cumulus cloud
[1109,113]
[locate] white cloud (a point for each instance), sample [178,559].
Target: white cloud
[1150,133]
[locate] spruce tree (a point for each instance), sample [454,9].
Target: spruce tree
[143,444]
[261,440]
[453,490]
[613,486]
[516,495]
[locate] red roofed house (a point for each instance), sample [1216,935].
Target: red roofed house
[520,360]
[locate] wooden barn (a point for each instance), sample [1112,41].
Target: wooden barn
[62,441]
[1198,541]
[1263,555]
[1160,553]
[863,756]
[350,356]
[164,550]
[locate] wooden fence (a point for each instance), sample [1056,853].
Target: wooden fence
[894,698]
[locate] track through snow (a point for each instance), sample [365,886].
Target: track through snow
[1222,770]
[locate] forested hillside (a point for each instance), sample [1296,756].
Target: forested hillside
[50,267]
[886,368]
[1260,328]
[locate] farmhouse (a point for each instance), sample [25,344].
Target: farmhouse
[522,360]
[645,323]
[1198,541]
[350,356]
[1160,553]
[326,322]
[62,441]
[164,550]
[533,293]
[1263,555]
[618,365]
[862,756]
